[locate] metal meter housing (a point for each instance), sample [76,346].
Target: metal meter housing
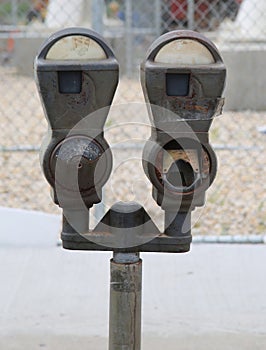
[76,74]
[183,78]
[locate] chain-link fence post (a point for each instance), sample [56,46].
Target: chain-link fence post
[129,36]
[158,17]
[190,14]
[14,12]
[97,15]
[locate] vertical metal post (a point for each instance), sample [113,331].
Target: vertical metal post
[14,11]
[97,15]
[190,14]
[129,37]
[125,302]
[158,17]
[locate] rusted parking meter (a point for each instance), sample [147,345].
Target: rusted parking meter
[183,78]
[77,75]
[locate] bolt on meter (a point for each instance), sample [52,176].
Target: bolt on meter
[77,75]
[183,78]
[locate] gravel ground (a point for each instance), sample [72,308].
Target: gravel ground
[235,203]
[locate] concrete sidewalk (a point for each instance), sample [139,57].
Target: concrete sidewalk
[211,298]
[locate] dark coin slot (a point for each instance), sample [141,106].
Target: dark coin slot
[181,174]
[70,82]
[177,84]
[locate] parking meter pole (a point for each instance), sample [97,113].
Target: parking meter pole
[77,74]
[125,302]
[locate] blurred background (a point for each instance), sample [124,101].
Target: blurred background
[236,202]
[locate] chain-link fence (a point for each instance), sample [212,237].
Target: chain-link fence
[236,201]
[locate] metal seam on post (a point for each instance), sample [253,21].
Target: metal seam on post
[125,301]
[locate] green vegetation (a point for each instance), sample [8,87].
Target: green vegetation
[214,134]
[6,12]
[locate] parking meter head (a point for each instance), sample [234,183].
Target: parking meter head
[183,72]
[183,78]
[76,74]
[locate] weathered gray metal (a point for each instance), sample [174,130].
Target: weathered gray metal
[76,75]
[183,78]
[127,228]
[73,88]
[125,302]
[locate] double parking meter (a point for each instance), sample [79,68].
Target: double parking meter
[183,78]
[77,75]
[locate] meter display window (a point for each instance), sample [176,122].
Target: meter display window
[177,84]
[70,82]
